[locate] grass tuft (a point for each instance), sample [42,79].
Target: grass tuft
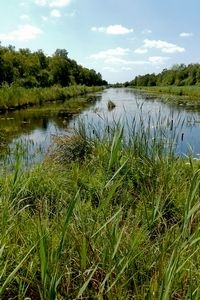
[112,216]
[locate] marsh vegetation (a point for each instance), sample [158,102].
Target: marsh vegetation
[104,216]
[12,98]
[112,210]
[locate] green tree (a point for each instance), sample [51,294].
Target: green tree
[59,67]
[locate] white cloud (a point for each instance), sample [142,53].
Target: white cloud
[157,60]
[55,13]
[185,34]
[113,29]
[24,17]
[112,57]
[53,3]
[147,31]
[140,51]
[59,3]
[153,60]
[114,70]
[110,53]
[163,46]
[22,33]
[117,57]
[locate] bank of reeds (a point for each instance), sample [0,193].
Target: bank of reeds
[182,95]
[103,217]
[13,97]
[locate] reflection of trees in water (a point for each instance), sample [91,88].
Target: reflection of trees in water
[24,122]
[16,123]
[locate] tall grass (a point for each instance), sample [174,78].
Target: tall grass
[192,92]
[13,97]
[184,96]
[118,220]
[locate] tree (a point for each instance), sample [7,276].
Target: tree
[59,68]
[178,75]
[34,69]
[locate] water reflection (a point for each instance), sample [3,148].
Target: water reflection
[36,126]
[135,109]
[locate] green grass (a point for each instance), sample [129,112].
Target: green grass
[191,91]
[101,218]
[13,97]
[187,96]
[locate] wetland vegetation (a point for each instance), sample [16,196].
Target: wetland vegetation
[12,97]
[102,218]
[179,85]
[30,78]
[111,212]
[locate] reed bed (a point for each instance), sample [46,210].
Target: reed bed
[110,216]
[186,96]
[14,97]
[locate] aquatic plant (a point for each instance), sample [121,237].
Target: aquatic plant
[120,222]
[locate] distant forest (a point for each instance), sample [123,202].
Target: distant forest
[178,75]
[35,69]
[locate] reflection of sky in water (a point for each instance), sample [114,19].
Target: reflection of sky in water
[41,136]
[131,108]
[35,144]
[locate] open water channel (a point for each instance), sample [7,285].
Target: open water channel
[34,128]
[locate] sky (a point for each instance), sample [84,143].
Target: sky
[118,38]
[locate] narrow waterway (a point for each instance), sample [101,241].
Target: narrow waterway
[35,128]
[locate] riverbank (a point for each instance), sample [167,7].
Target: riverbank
[13,97]
[100,219]
[188,96]
[37,105]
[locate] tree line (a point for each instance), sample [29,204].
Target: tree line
[178,75]
[35,69]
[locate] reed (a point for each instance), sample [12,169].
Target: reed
[191,91]
[119,222]
[14,97]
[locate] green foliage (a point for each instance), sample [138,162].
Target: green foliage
[34,69]
[178,75]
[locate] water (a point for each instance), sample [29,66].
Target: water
[133,107]
[35,128]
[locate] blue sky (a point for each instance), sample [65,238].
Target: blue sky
[118,38]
